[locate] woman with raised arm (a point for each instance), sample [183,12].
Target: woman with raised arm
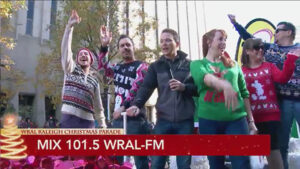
[81,101]
[223,104]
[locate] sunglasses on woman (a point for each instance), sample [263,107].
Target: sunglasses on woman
[278,30]
[258,47]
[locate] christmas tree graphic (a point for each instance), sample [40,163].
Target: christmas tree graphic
[11,143]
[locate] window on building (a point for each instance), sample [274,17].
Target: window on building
[26,105]
[53,17]
[29,22]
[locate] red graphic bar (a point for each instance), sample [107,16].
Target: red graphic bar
[88,145]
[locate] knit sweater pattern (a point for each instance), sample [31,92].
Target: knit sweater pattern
[261,86]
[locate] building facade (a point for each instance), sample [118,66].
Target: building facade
[31,35]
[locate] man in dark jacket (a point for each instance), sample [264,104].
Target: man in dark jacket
[175,106]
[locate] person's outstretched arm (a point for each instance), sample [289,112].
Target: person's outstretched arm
[140,76]
[144,93]
[288,68]
[67,61]
[239,28]
[105,37]
[242,31]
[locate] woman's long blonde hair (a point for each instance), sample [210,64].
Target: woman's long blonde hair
[208,38]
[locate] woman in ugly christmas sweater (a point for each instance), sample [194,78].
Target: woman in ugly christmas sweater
[260,77]
[223,103]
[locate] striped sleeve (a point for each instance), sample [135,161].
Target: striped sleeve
[140,75]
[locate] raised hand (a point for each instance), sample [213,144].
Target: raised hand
[232,18]
[105,36]
[74,18]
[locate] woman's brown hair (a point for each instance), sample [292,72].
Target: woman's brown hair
[208,38]
[249,44]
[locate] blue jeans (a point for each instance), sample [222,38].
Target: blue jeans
[239,126]
[290,109]
[167,127]
[71,121]
[135,127]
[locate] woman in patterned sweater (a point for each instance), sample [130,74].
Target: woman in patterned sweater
[81,101]
[260,78]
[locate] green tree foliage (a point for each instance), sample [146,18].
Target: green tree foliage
[7,73]
[147,24]
[7,10]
